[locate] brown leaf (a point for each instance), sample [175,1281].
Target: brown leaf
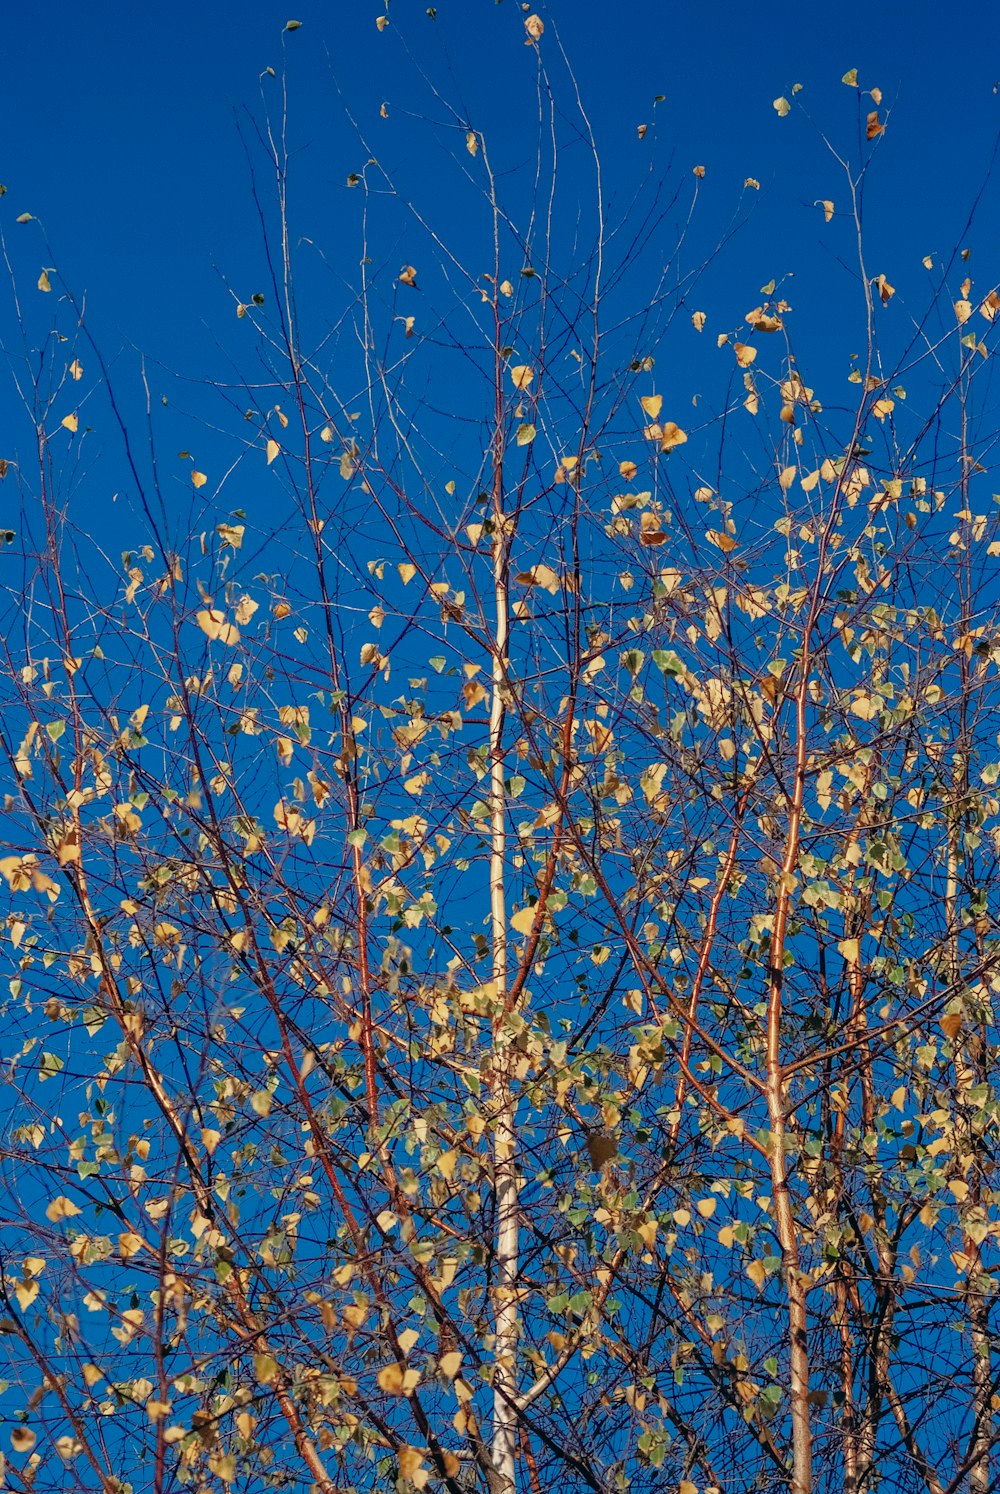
[651,530]
[601,1149]
[724,542]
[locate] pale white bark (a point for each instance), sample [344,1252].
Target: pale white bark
[507,1242]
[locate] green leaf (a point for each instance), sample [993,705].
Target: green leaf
[49,1066]
[667,660]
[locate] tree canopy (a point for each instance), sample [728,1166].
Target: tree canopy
[500,928]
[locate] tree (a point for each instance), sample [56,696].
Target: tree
[501,950]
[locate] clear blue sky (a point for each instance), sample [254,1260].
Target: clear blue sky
[118,122]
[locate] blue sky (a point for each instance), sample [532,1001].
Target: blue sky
[123,131]
[119,122]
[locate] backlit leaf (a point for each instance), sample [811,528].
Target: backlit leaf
[216,626]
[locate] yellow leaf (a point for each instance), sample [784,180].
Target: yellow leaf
[534,26]
[408,276]
[781,107]
[687,1487]
[849,949]
[61,1208]
[406,572]
[652,404]
[26,1292]
[963,310]
[763,321]
[651,531]
[698,320]
[199,479]
[757,1273]
[540,575]
[523,921]
[707,1207]
[899,1097]
[471,143]
[828,209]
[71,423]
[76,369]
[727,1236]
[951,1024]
[786,477]
[43,281]
[671,436]
[724,542]
[395,1380]
[521,375]
[410,1462]
[883,407]
[272,451]
[885,290]
[214,624]
[129,1245]
[449,1364]
[265,1367]
[22,1439]
[745,354]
